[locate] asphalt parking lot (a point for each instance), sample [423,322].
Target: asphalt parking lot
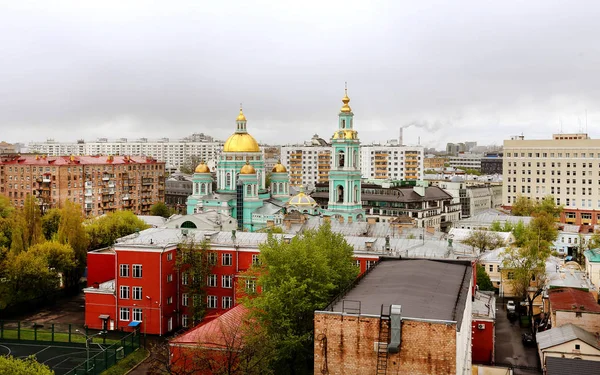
[510,351]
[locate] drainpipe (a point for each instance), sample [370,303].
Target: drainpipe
[160,307]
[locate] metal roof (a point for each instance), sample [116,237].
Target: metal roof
[562,366]
[426,289]
[563,334]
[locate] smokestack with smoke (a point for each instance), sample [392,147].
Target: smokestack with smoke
[400,138]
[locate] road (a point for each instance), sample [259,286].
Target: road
[510,351]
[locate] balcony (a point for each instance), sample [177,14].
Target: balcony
[147,181]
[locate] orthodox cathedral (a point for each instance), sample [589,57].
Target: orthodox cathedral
[241,190]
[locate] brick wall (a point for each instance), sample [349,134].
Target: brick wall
[426,349]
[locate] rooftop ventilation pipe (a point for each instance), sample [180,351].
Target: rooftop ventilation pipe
[395,328]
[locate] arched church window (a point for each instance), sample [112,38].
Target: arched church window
[203,189]
[341,159]
[340,194]
[343,124]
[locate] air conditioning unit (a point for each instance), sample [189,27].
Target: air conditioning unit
[481,326]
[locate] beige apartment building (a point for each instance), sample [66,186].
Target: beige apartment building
[99,184]
[566,167]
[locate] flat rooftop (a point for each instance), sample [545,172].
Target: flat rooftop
[426,289]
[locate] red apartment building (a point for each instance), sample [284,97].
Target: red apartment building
[99,184]
[137,280]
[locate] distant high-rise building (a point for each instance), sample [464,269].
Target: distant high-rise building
[564,167]
[309,163]
[392,162]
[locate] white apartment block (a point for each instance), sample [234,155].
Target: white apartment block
[465,161]
[392,162]
[566,167]
[307,165]
[174,153]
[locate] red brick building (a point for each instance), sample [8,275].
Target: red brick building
[409,316]
[99,184]
[137,281]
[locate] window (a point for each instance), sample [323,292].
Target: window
[184,320]
[578,315]
[124,292]
[357,263]
[137,292]
[226,260]
[510,275]
[184,278]
[124,270]
[370,263]
[184,299]
[227,281]
[170,256]
[211,302]
[137,315]
[577,347]
[250,286]
[491,268]
[137,271]
[255,260]
[212,280]
[169,300]
[212,259]
[169,277]
[124,314]
[226,302]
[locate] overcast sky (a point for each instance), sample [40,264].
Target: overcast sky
[459,70]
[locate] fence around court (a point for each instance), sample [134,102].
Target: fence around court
[52,332]
[109,356]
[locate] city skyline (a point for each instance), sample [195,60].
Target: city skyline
[139,70]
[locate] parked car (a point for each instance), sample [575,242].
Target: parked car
[511,307]
[528,339]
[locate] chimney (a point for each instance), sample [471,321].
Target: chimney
[395,329]
[400,140]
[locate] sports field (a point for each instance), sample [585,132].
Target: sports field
[61,358]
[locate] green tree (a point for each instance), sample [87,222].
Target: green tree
[50,223]
[32,219]
[104,231]
[27,366]
[28,277]
[60,257]
[508,226]
[483,240]
[160,209]
[496,226]
[6,208]
[195,262]
[483,279]
[523,206]
[548,206]
[17,243]
[519,231]
[528,262]
[72,232]
[297,278]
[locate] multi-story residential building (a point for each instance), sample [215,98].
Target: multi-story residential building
[99,184]
[392,162]
[434,162]
[465,161]
[565,167]
[7,148]
[272,156]
[475,197]
[491,163]
[307,164]
[174,153]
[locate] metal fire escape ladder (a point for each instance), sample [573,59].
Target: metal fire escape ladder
[382,342]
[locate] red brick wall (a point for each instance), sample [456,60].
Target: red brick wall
[426,349]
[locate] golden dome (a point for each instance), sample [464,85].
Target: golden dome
[346,100]
[345,134]
[241,142]
[301,199]
[202,168]
[241,116]
[279,168]
[247,169]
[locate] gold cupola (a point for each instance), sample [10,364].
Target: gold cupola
[202,168]
[346,100]
[241,141]
[247,169]
[279,168]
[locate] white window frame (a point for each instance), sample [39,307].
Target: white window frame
[251,285]
[255,260]
[137,314]
[184,320]
[184,278]
[184,299]
[124,292]
[212,302]
[124,267]
[137,291]
[137,269]
[170,256]
[211,280]
[169,300]
[227,281]
[124,314]
[226,302]
[228,257]
[170,278]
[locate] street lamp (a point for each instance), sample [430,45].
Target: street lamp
[88,340]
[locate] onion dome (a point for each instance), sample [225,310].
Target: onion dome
[202,168]
[247,169]
[279,168]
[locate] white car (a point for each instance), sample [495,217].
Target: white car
[510,306]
